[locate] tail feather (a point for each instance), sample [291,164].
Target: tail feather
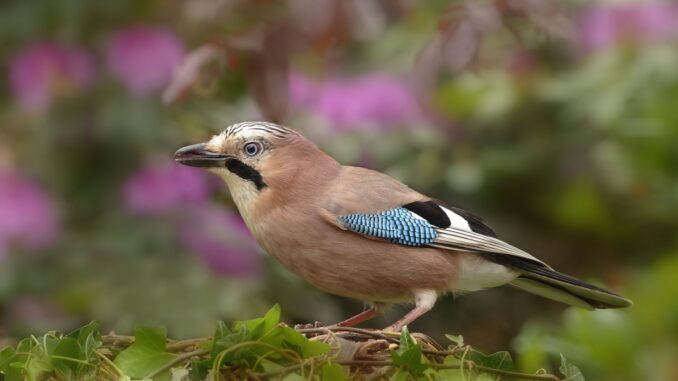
[553,293]
[541,280]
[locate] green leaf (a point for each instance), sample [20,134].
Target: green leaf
[333,372]
[199,369]
[256,328]
[289,338]
[66,350]
[37,365]
[451,374]
[262,336]
[408,355]
[569,370]
[81,334]
[6,356]
[146,354]
[500,360]
[294,377]
[458,340]
[400,375]
[15,366]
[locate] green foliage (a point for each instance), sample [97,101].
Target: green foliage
[408,356]
[146,354]
[72,356]
[261,345]
[262,348]
[621,345]
[571,372]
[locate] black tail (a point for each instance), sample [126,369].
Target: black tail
[541,280]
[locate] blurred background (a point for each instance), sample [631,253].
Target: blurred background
[556,121]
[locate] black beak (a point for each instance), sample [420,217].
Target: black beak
[197,155]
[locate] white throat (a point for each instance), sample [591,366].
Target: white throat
[243,192]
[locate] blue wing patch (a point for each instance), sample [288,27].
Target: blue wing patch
[397,225]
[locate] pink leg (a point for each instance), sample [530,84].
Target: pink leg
[407,319]
[359,318]
[424,301]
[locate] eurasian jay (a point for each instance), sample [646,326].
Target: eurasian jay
[361,234]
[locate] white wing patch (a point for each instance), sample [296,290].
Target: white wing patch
[456,221]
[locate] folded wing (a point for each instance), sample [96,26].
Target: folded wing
[425,223]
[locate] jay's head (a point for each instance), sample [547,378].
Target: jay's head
[252,157]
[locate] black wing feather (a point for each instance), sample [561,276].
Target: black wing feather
[475,222]
[435,215]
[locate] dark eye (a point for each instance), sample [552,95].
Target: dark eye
[252,148]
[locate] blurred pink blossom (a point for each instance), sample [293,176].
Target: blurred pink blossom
[221,240]
[29,312]
[376,100]
[28,217]
[143,57]
[605,26]
[161,187]
[44,69]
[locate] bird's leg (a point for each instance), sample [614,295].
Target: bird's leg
[376,309]
[407,319]
[368,314]
[424,301]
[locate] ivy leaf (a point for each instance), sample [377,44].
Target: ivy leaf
[569,370]
[451,374]
[408,355]
[11,364]
[268,333]
[146,354]
[66,350]
[458,340]
[400,375]
[6,356]
[30,361]
[256,328]
[333,372]
[294,377]
[500,360]
[81,334]
[199,369]
[288,338]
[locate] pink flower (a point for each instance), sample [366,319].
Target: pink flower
[40,314]
[44,69]
[222,241]
[143,57]
[377,100]
[28,217]
[161,187]
[605,26]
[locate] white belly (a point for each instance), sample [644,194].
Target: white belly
[477,273]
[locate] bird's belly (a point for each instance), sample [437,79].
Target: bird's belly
[477,273]
[350,265]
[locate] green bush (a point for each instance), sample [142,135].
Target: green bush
[635,344]
[262,348]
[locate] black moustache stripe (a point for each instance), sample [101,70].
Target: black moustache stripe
[246,172]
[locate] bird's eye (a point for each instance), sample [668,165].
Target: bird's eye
[252,148]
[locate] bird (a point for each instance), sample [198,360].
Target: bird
[361,234]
